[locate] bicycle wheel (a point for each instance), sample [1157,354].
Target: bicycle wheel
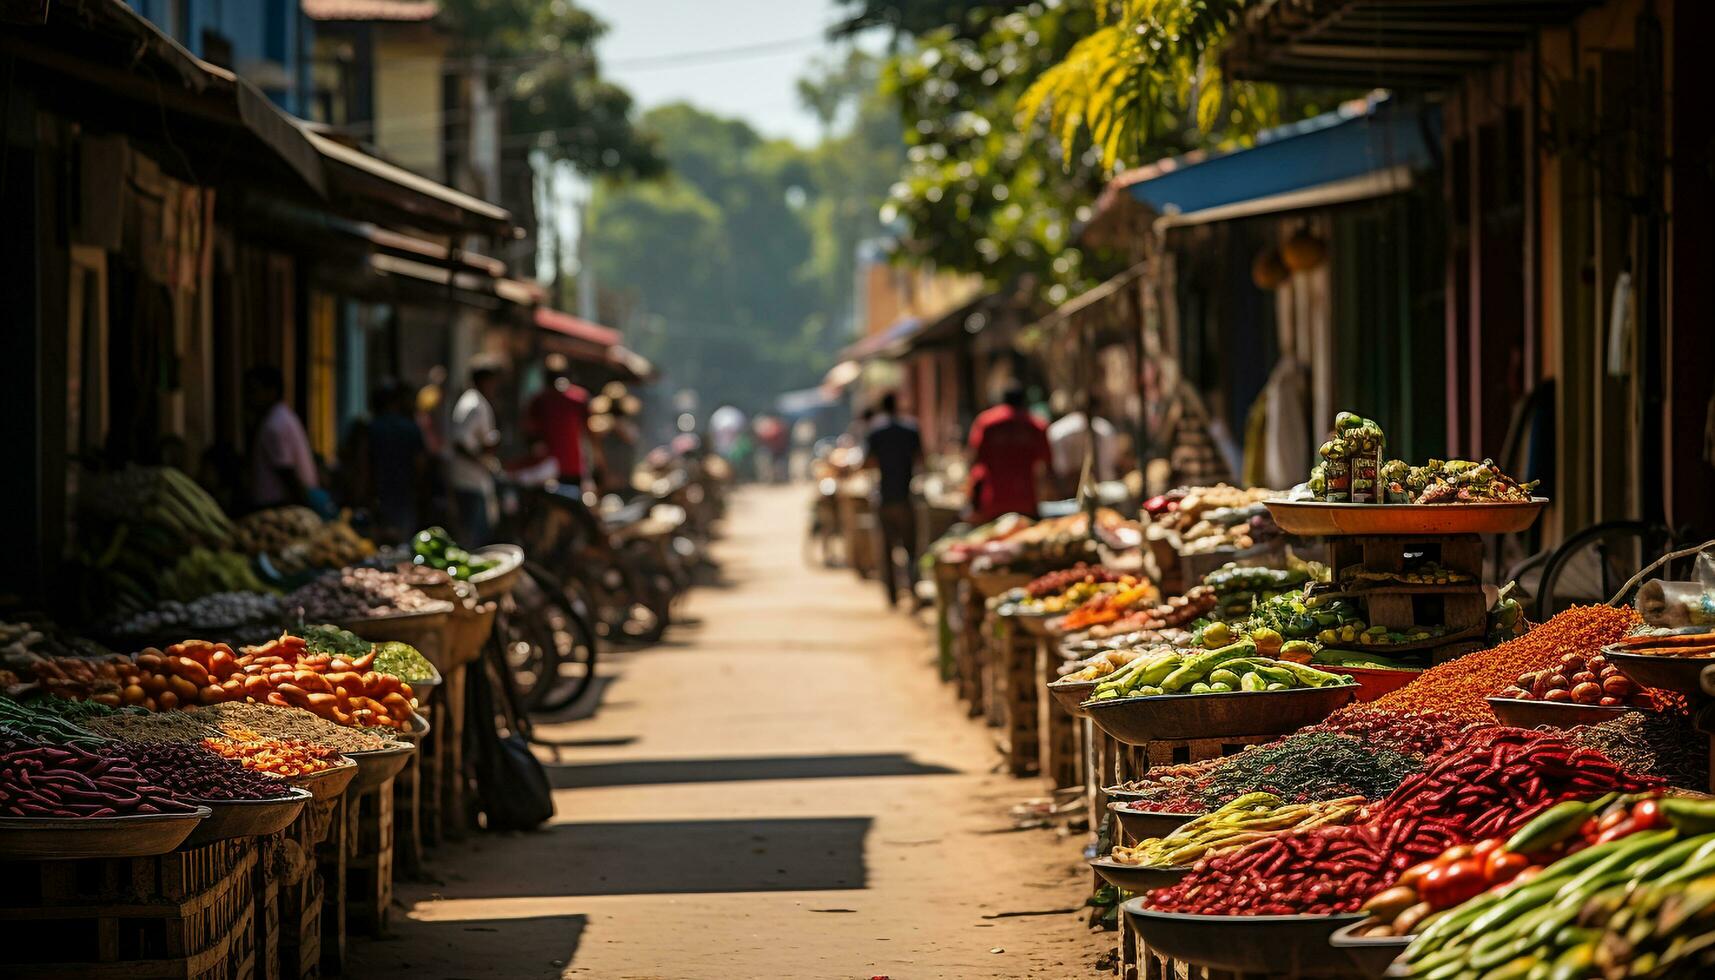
[650,589]
[539,630]
[574,669]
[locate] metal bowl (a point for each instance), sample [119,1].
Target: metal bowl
[1071,695]
[328,783]
[1316,517]
[1145,824]
[1137,877]
[1682,674]
[1521,713]
[1275,945]
[248,818]
[498,581]
[1179,717]
[61,838]
[378,765]
[1370,955]
[1033,624]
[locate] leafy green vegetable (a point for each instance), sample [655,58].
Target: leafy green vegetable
[332,639]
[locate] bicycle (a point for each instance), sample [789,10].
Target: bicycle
[617,578]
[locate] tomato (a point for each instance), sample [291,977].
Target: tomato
[1415,874]
[1589,829]
[1617,831]
[1504,866]
[1647,815]
[1483,848]
[1462,881]
[1611,818]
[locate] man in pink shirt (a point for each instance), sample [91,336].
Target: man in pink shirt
[282,468]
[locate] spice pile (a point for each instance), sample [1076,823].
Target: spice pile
[232,719]
[1664,745]
[1461,687]
[1489,782]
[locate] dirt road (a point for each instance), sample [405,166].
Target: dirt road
[782,789]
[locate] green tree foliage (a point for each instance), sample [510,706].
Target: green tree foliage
[980,193]
[735,272]
[1149,75]
[542,60]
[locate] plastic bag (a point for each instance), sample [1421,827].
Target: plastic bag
[1679,604]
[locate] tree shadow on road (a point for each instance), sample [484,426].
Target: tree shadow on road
[651,772]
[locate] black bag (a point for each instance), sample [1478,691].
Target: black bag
[511,787]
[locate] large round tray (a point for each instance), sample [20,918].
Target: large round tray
[328,783]
[1682,674]
[991,584]
[247,818]
[1032,624]
[56,838]
[1137,878]
[1370,956]
[498,580]
[415,731]
[377,766]
[1520,713]
[1178,717]
[1071,695]
[1276,945]
[422,629]
[1145,824]
[1315,517]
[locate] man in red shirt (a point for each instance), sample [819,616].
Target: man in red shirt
[559,418]
[1010,459]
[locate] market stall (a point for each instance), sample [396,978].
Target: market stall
[223,775]
[1319,774]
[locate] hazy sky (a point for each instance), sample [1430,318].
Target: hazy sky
[733,57]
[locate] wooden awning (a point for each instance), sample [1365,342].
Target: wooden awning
[1397,44]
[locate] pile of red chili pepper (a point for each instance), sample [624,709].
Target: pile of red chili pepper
[1488,783]
[194,772]
[1462,687]
[42,780]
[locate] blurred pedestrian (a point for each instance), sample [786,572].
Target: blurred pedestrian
[1069,441]
[895,452]
[282,466]
[473,438]
[1010,459]
[559,418]
[398,461]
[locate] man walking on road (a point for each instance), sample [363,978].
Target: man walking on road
[895,450]
[1010,459]
[473,437]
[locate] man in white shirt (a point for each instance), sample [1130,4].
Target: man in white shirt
[1068,439]
[472,438]
[282,467]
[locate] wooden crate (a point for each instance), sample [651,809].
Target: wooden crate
[187,915]
[301,927]
[330,868]
[1013,655]
[1059,739]
[407,806]
[443,805]
[968,624]
[371,829]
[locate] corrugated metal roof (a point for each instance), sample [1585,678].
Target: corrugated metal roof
[399,10]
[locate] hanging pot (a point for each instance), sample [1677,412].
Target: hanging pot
[1304,251]
[1268,271]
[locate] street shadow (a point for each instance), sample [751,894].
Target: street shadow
[469,949]
[675,857]
[652,772]
[586,706]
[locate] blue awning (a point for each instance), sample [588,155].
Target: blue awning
[1364,149]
